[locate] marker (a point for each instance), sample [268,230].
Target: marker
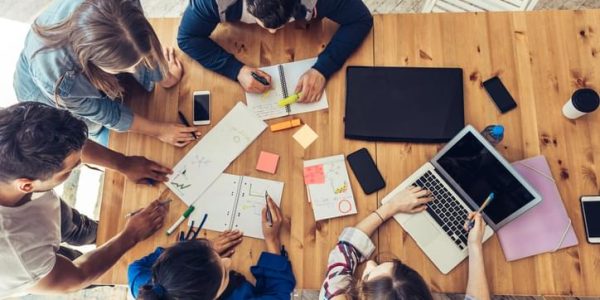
[186,123]
[286,125]
[487,202]
[260,79]
[200,227]
[163,203]
[185,215]
[269,216]
[289,100]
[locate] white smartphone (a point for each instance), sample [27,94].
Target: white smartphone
[201,108]
[590,206]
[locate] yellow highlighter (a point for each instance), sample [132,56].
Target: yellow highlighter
[289,100]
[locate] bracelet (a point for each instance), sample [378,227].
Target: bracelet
[382,220]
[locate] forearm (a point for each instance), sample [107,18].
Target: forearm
[477,285]
[144,126]
[375,219]
[96,154]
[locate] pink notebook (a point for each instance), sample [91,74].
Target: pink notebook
[544,228]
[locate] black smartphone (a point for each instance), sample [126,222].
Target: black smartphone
[366,171]
[499,94]
[590,206]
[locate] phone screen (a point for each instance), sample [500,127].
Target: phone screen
[201,107]
[591,215]
[499,94]
[366,171]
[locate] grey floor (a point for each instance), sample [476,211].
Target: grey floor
[25,11]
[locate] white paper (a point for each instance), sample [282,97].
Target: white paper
[216,150]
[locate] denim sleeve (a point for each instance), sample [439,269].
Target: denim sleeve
[274,277]
[148,77]
[139,273]
[104,111]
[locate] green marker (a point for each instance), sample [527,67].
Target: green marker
[289,100]
[185,215]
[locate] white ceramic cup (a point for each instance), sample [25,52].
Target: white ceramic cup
[582,102]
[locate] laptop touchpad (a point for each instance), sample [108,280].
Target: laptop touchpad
[421,229]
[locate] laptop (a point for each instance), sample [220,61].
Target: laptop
[460,177]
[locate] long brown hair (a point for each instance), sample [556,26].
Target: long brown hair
[110,34]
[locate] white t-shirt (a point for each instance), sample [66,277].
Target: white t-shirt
[29,239]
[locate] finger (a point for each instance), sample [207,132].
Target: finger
[265,75]
[263,214]
[170,54]
[276,208]
[299,85]
[187,130]
[160,169]
[158,176]
[229,253]
[419,208]
[181,144]
[424,200]
[421,193]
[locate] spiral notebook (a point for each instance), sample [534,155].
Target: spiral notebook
[236,202]
[284,79]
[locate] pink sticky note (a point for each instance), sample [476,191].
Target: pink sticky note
[314,175]
[267,162]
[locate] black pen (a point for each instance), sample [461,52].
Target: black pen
[269,216]
[260,79]
[186,123]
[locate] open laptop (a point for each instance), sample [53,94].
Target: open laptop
[460,177]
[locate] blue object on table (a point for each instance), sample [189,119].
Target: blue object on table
[493,134]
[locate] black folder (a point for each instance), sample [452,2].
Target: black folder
[404,104]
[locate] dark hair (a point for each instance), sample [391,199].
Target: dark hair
[273,13]
[405,283]
[35,139]
[188,270]
[109,34]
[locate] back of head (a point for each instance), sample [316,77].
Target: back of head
[273,13]
[108,34]
[35,139]
[188,270]
[404,284]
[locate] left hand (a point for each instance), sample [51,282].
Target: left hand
[139,168]
[311,85]
[226,242]
[175,71]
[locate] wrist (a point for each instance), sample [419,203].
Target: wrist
[475,249]
[273,246]
[128,239]
[384,212]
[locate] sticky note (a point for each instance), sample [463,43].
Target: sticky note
[267,162]
[314,175]
[305,136]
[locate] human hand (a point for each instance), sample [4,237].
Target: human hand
[177,134]
[271,231]
[139,169]
[475,233]
[409,200]
[226,242]
[143,224]
[311,86]
[175,71]
[250,84]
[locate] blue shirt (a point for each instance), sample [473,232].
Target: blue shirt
[202,16]
[273,273]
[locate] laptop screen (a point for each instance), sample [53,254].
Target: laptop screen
[478,172]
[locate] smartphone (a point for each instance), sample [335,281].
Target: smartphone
[590,206]
[201,108]
[366,171]
[499,94]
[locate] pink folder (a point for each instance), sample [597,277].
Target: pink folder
[544,228]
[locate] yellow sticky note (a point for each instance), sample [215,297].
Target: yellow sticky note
[305,136]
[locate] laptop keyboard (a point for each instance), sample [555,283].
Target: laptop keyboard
[445,209]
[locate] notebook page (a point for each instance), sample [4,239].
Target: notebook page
[293,71]
[217,202]
[266,106]
[251,202]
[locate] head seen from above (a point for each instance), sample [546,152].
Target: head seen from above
[107,37]
[273,14]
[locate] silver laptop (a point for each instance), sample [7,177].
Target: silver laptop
[460,177]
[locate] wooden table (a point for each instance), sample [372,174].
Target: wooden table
[541,57]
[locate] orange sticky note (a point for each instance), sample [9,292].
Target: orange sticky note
[267,162]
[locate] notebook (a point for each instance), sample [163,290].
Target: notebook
[328,187]
[214,152]
[404,104]
[544,228]
[284,79]
[236,202]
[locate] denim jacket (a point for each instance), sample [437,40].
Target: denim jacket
[56,72]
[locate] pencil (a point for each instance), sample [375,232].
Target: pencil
[186,123]
[487,202]
[269,216]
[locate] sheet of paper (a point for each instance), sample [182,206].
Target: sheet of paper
[332,197]
[305,136]
[218,202]
[216,150]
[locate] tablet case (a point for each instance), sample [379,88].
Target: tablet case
[404,104]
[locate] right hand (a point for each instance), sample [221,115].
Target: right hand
[271,233]
[409,200]
[146,222]
[226,242]
[177,134]
[250,84]
[476,233]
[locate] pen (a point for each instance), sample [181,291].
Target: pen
[269,216]
[260,79]
[200,227]
[289,100]
[185,215]
[186,123]
[163,203]
[487,202]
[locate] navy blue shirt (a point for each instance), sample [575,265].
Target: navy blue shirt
[273,273]
[202,16]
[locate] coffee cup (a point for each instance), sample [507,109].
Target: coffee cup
[582,102]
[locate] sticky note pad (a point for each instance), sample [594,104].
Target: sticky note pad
[267,162]
[305,136]
[314,175]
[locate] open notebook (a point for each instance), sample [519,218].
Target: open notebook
[328,187]
[284,79]
[236,202]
